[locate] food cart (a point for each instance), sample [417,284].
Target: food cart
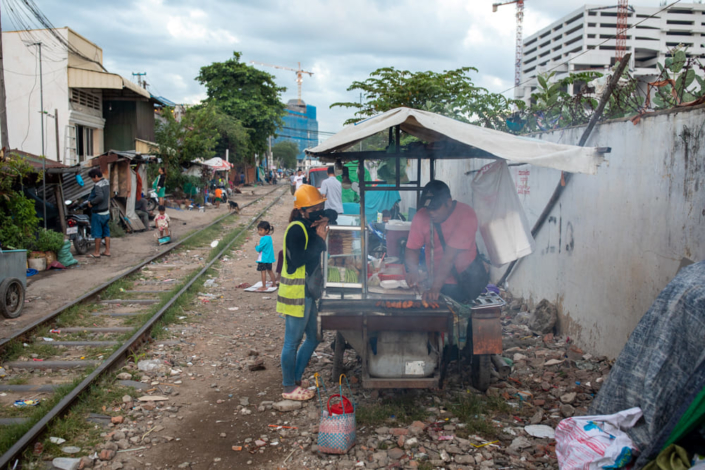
[402,341]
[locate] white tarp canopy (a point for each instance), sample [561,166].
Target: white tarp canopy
[217,164]
[431,127]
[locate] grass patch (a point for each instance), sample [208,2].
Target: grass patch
[116,230]
[477,412]
[400,410]
[17,381]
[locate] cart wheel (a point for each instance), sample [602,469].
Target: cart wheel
[480,371]
[11,297]
[338,356]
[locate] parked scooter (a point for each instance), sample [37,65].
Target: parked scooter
[152,201]
[78,226]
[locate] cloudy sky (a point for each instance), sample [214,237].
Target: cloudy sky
[340,41]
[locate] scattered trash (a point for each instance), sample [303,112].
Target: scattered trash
[232,309]
[151,365]
[210,283]
[70,450]
[57,332]
[47,339]
[148,398]
[65,463]
[24,403]
[214,243]
[540,430]
[57,440]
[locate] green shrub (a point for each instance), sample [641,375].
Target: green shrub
[47,240]
[18,220]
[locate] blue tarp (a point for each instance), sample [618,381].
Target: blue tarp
[377,201]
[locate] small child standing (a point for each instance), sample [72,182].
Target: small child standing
[266,253]
[162,222]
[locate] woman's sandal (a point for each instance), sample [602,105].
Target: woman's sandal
[299,394]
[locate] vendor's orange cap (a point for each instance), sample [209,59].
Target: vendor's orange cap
[307,196]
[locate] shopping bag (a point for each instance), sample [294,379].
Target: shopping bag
[336,432]
[596,442]
[500,215]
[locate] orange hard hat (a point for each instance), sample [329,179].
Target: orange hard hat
[307,196]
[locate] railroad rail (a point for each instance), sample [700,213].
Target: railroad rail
[116,359]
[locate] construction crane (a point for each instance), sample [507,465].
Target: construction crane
[520,44]
[622,26]
[299,73]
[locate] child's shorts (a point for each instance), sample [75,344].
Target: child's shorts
[264,266]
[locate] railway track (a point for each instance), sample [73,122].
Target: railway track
[104,327]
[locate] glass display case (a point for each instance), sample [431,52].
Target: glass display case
[343,259]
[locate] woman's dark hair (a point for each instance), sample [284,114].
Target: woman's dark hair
[163,170]
[295,214]
[264,225]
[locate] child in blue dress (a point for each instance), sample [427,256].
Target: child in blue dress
[266,254]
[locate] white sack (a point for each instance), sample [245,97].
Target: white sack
[596,442]
[500,215]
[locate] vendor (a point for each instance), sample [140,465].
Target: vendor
[458,272]
[301,285]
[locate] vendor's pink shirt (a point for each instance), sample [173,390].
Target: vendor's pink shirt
[459,232]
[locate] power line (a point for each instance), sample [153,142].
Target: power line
[307,130]
[588,50]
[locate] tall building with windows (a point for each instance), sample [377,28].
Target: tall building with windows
[300,126]
[585,40]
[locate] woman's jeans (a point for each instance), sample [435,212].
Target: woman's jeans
[295,358]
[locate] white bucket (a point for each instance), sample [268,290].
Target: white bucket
[40,264]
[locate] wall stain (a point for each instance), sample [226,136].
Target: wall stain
[689,141]
[569,237]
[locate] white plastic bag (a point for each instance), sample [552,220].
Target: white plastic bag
[596,442]
[503,224]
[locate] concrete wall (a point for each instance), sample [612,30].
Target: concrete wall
[614,240]
[23,91]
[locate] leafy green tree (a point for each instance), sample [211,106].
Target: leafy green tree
[679,71]
[248,94]
[451,93]
[18,218]
[285,153]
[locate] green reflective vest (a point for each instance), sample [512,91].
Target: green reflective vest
[292,287]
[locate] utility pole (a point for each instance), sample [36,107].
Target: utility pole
[140,81]
[56,130]
[41,116]
[4,138]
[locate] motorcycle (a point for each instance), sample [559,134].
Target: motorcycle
[78,226]
[152,201]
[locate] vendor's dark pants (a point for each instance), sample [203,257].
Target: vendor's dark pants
[463,294]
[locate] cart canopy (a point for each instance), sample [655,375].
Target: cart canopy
[462,141]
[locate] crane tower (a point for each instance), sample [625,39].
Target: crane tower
[519,44]
[299,73]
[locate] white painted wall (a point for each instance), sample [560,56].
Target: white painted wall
[23,91]
[615,239]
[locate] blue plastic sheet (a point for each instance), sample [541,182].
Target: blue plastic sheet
[377,201]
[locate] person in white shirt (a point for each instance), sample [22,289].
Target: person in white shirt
[333,191]
[299,179]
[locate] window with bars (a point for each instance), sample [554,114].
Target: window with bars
[85,99]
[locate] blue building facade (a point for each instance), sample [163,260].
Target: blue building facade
[300,126]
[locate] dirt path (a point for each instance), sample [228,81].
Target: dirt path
[49,290]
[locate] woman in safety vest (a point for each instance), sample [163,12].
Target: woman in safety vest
[304,241]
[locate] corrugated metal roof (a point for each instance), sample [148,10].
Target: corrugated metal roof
[81,78]
[37,162]
[71,188]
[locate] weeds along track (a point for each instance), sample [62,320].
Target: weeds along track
[76,345]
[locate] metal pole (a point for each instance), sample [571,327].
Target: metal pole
[44,160]
[363,225]
[56,126]
[4,139]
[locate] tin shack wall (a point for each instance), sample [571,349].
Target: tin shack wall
[616,239]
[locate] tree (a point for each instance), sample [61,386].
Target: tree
[285,153]
[247,94]
[451,93]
